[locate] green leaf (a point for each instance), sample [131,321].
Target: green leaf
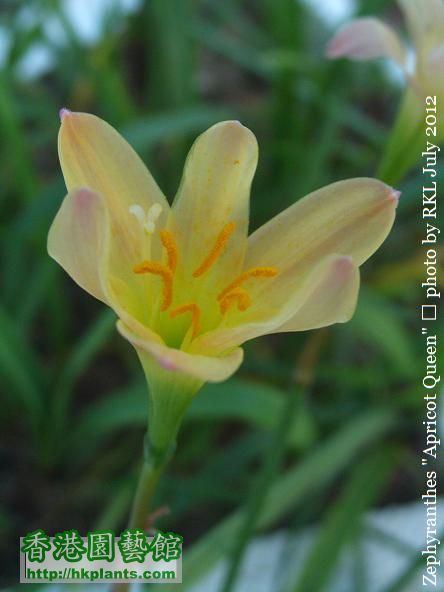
[312,474]
[238,400]
[20,371]
[90,343]
[145,132]
[378,322]
[255,403]
[343,520]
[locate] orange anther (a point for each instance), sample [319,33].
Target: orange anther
[195,312]
[169,243]
[239,296]
[167,278]
[216,251]
[254,272]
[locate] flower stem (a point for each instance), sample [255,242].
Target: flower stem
[149,477]
[154,463]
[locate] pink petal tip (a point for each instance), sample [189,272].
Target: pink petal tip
[395,195]
[344,265]
[83,198]
[64,113]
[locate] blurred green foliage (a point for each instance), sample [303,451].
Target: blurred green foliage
[73,409]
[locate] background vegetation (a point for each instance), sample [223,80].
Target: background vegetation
[314,427]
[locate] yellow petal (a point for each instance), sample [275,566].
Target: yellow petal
[81,241]
[332,299]
[78,237]
[204,368]
[92,154]
[365,39]
[350,218]
[214,192]
[324,295]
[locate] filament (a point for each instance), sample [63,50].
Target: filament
[167,279]
[217,249]
[195,316]
[266,272]
[239,296]
[171,248]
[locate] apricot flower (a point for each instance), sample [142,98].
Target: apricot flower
[187,282]
[368,38]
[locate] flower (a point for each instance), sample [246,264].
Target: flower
[187,283]
[368,38]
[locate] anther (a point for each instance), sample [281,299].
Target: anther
[216,251]
[195,318]
[239,296]
[169,243]
[167,278]
[265,272]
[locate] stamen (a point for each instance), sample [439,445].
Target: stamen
[238,295]
[216,251]
[167,277]
[195,312]
[171,248]
[254,272]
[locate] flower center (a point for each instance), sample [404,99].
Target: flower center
[232,295]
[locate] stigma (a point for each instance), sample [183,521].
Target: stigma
[147,219]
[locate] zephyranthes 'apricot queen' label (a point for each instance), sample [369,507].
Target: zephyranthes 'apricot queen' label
[187,282]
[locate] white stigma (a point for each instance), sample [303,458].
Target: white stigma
[154,211]
[146,219]
[138,212]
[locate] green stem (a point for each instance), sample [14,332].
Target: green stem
[170,394]
[154,463]
[404,142]
[146,488]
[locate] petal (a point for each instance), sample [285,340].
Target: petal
[81,241]
[205,368]
[77,239]
[333,298]
[214,192]
[92,154]
[366,39]
[425,20]
[327,294]
[351,217]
